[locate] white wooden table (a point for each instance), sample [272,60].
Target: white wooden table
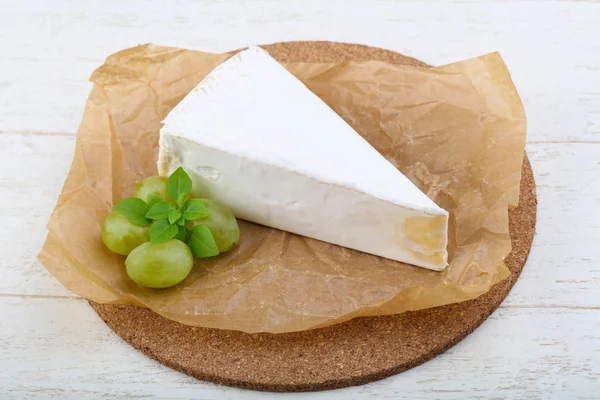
[543,342]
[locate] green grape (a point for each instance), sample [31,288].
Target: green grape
[151,185]
[121,235]
[160,265]
[221,223]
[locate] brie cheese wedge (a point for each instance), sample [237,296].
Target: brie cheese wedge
[252,136]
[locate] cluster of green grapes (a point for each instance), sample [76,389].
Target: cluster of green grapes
[161,229]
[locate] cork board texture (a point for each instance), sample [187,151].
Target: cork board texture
[353,353]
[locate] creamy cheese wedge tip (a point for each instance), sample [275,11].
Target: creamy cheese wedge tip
[252,136]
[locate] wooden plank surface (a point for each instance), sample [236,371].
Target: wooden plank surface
[62,350]
[544,342]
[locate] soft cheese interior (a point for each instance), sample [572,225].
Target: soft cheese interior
[254,137]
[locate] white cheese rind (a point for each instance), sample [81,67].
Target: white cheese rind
[254,137]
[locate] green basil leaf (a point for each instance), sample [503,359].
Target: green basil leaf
[153,199]
[182,199]
[196,209]
[161,231]
[180,233]
[179,182]
[174,216]
[181,221]
[133,209]
[202,243]
[160,210]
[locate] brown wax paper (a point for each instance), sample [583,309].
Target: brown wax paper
[457,131]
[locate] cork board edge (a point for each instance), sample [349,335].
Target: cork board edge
[525,212]
[504,287]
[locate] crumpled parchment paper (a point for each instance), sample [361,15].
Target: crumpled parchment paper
[457,131]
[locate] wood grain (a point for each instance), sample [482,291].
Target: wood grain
[541,344]
[550,47]
[63,351]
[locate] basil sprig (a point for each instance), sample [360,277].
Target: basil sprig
[167,217]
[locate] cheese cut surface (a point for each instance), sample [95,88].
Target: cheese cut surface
[252,136]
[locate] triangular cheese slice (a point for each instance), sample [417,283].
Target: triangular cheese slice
[252,136]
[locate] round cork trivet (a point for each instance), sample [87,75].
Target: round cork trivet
[356,352]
